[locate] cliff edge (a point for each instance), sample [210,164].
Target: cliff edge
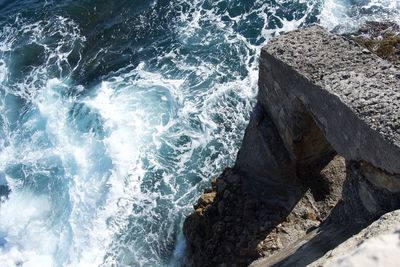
[320,159]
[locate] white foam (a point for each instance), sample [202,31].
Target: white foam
[333,13]
[33,235]
[27,234]
[3,71]
[144,113]
[349,15]
[55,54]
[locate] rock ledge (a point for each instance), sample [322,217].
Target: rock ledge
[320,159]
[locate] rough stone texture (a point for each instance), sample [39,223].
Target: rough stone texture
[376,245]
[352,94]
[360,204]
[381,38]
[244,222]
[319,161]
[380,179]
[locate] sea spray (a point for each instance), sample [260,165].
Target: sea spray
[116,115]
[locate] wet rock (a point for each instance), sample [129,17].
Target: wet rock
[381,38]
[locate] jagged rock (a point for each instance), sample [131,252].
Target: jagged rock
[205,200]
[382,38]
[352,96]
[245,222]
[319,161]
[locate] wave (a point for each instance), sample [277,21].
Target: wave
[348,15]
[111,126]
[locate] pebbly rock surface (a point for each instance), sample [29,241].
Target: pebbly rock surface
[353,95]
[320,159]
[381,38]
[233,224]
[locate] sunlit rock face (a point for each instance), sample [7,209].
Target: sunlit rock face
[376,245]
[319,160]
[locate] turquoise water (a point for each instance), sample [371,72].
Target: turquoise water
[115,115]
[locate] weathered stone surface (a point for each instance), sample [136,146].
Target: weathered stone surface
[245,222]
[381,38]
[319,161]
[380,178]
[359,205]
[352,94]
[376,245]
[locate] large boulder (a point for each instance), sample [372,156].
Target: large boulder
[323,90]
[320,159]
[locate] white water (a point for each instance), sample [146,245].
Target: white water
[349,15]
[104,175]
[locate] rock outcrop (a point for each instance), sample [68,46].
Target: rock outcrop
[382,38]
[320,159]
[376,245]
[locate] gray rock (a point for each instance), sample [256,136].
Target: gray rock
[353,96]
[376,245]
[320,159]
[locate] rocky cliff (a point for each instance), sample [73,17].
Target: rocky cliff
[320,159]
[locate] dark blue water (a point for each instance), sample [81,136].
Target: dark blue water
[115,115]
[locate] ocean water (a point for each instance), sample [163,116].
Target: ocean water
[115,115]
